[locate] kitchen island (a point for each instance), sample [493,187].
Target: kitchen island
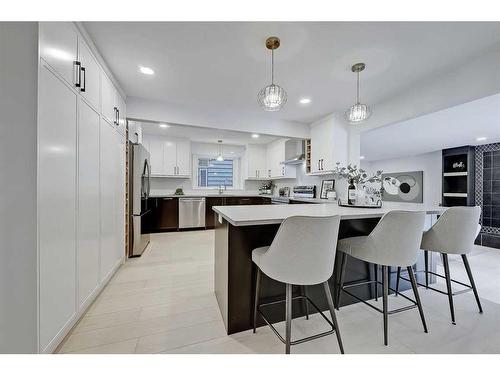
[240,229]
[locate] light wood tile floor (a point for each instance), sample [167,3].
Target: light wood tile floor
[163,302]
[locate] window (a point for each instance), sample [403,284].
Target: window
[213,173]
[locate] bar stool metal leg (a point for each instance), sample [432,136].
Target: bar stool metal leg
[288,313]
[417,297]
[256,300]
[472,283]
[332,313]
[385,287]
[448,286]
[303,291]
[426,262]
[397,280]
[375,266]
[343,264]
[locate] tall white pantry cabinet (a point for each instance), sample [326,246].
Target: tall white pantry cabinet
[81,180]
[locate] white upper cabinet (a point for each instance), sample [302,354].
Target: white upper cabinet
[108,99]
[89,75]
[276,155]
[122,112]
[329,145]
[183,156]
[59,48]
[170,157]
[256,162]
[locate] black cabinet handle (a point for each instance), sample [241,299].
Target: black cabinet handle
[117,117]
[82,69]
[79,75]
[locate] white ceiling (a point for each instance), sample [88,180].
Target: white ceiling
[204,135]
[222,66]
[452,127]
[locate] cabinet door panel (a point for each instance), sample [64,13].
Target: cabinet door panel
[168,215]
[156,156]
[122,114]
[169,155]
[88,201]
[90,88]
[108,99]
[183,158]
[57,204]
[59,48]
[108,207]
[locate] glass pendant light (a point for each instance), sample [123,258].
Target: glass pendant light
[272,97]
[358,112]
[219,156]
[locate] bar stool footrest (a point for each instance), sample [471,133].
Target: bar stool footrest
[468,287]
[305,339]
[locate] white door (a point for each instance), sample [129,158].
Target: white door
[108,99]
[59,48]
[90,75]
[56,204]
[169,149]
[88,202]
[109,214]
[183,158]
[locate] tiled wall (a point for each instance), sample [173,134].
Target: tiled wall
[487,158]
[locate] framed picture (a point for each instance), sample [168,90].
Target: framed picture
[326,186]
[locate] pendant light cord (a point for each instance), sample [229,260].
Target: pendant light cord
[272,67]
[357,89]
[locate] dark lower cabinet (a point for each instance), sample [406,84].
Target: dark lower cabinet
[163,215]
[164,212]
[210,216]
[168,214]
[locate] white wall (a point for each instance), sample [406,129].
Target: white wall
[18,165]
[430,163]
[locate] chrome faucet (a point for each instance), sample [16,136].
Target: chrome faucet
[222,188]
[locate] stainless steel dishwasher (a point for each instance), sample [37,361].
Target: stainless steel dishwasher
[191,212]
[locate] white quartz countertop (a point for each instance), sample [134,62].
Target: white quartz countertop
[275,214]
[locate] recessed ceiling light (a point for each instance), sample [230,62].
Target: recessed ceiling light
[146,70]
[164,126]
[480,139]
[305,101]
[255,135]
[361,157]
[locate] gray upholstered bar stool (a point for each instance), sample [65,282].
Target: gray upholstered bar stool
[302,253]
[452,234]
[394,242]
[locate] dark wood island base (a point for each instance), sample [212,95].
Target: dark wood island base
[235,274]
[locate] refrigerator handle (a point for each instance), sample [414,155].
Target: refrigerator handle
[149,179]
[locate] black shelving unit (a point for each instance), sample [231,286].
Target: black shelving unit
[458,176]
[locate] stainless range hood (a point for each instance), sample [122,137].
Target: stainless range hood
[295,152]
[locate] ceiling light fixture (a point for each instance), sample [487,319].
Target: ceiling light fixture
[219,156]
[255,135]
[361,157]
[272,97]
[480,139]
[164,126]
[146,70]
[305,101]
[358,112]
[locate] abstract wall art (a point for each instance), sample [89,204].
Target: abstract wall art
[403,187]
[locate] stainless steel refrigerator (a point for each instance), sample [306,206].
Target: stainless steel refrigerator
[139,189]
